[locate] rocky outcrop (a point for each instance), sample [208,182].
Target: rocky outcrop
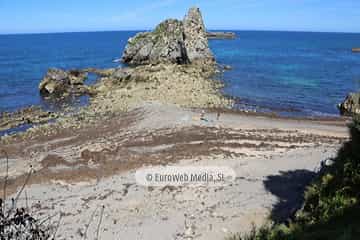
[58,82]
[30,115]
[196,42]
[351,104]
[186,85]
[221,35]
[164,45]
[172,41]
[356,50]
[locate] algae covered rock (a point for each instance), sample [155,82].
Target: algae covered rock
[58,82]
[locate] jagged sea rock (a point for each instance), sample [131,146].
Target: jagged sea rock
[164,45]
[351,104]
[58,82]
[172,41]
[196,42]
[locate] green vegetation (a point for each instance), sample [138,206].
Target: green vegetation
[140,37]
[171,27]
[168,28]
[331,208]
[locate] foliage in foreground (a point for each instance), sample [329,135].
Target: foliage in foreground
[331,208]
[19,223]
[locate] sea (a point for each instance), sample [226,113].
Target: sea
[296,74]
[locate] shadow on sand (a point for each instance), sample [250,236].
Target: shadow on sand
[289,187]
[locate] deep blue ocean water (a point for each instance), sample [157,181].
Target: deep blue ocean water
[292,73]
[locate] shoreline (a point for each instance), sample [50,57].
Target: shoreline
[326,120]
[155,116]
[164,109]
[274,115]
[89,159]
[94,165]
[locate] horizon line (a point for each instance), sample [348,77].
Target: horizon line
[210,29]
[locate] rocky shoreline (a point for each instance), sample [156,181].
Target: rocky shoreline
[171,65]
[164,108]
[31,115]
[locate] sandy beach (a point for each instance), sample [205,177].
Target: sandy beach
[76,169]
[79,171]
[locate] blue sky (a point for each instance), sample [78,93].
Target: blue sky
[27,16]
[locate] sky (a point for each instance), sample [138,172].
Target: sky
[39,16]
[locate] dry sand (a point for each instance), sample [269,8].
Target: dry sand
[80,170]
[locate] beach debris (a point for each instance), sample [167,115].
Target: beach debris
[172,41]
[351,104]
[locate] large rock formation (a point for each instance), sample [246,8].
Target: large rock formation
[172,41]
[165,44]
[58,82]
[351,104]
[196,42]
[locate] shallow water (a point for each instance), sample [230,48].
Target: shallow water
[292,73]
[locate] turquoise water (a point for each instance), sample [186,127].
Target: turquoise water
[292,73]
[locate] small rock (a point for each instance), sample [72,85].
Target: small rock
[58,82]
[351,104]
[227,67]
